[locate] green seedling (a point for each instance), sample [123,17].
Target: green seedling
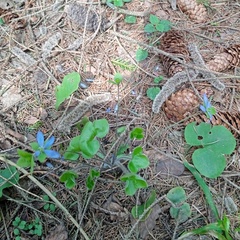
[49,206]
[158,79]
[117,3]
[180,210]
[152,92]
[87,143]
[133,180]
[69,178]
[141,54]
[157,25]
[69,85]
[214,143]
[137,211]
[130,19]
[118,78]
[8,177]
[93,174]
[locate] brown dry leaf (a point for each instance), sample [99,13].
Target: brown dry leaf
[59,233]
[146,227]
[30,120]
[165,166]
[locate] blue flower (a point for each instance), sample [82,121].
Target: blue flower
[44,146]
[207,107]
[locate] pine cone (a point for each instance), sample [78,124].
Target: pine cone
[173,42]
[195,11]
[12,19]
[228,59]
[180,103]
[78,14]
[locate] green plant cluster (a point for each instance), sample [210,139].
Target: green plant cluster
[32,228]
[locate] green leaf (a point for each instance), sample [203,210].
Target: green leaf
[182,213]
[149,28]
[137,211]
[122,149]
[158,79]
[1,21]
[163,26]
[34,146]
[42,157]
[130,19]
[118,78]
[118,3]
[138,161]
[176,195]
[152,92]
[133,183]
[121,129]
[16,231]
[208,162]
[69,85]
[25,159]
[8,177]
[68,177]
[154,19]
[141,54]
[137,133]
[218,138]
[101,127]
[89,148]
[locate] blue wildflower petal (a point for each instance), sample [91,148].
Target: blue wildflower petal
[49,165]
[36,154]
[49,142]
[203,108]
[52,154]
[206,102]
[40,139]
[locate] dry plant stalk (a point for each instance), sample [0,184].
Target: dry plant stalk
[78,112]
[226,60]
[195,11]
[174,43]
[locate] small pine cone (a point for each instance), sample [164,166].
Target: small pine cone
[228,59]
[173,42]
[180,104]
[12,19]
[195,11]
[78,14]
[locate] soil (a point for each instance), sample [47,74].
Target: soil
[43,41]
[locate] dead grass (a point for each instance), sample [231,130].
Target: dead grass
[105,212]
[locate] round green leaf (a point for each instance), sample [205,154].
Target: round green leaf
[152,92]
[138,162]
[149,28]
[176,195]
[208,162]
[141,54]
[182,213]
[154,19]
[130,19]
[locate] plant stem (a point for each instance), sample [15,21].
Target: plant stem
[204,187]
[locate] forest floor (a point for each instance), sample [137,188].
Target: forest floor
[40,45]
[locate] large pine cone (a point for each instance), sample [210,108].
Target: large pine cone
[228,59]
[195,11]
[79,14]
[180,104]
[173,42]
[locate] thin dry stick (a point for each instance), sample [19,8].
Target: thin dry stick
[40,185]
